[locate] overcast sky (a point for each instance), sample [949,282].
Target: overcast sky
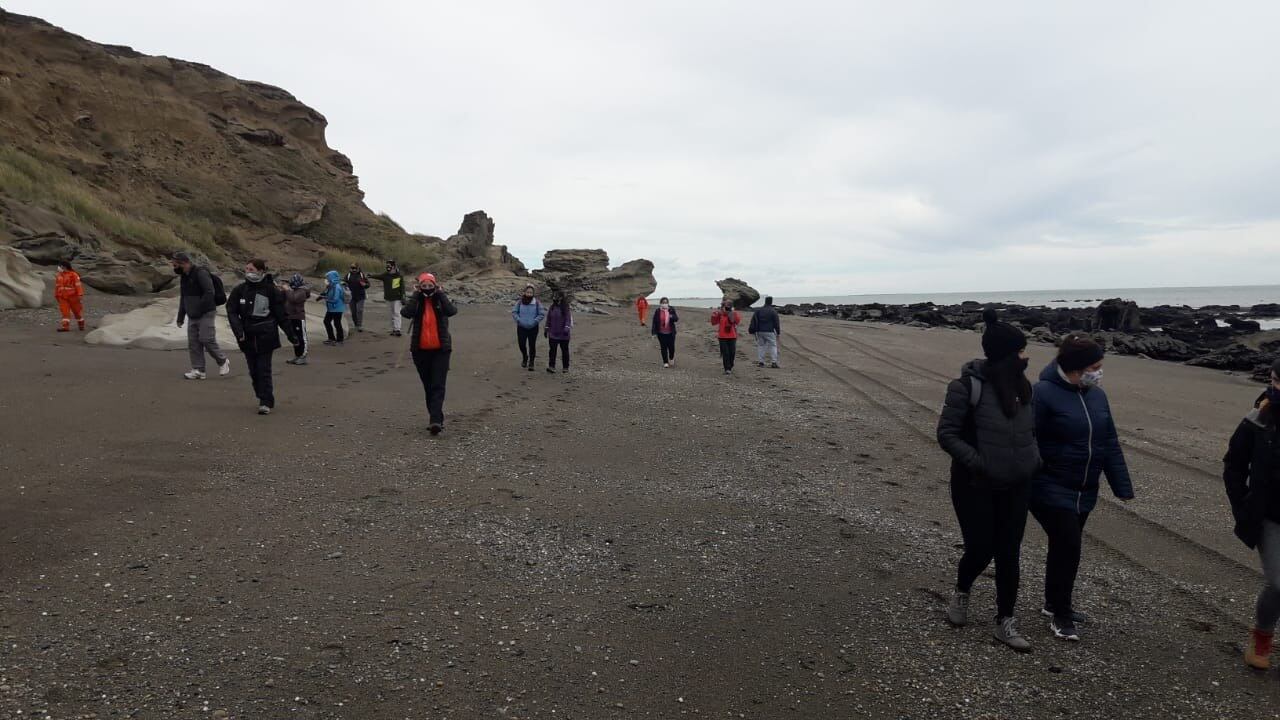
[811,148]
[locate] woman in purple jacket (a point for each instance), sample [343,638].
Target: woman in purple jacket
[559,326]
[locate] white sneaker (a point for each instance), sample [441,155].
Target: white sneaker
[264,410]
[225,368]
[666,365]
[193,374]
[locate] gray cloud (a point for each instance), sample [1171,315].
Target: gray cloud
[812,148]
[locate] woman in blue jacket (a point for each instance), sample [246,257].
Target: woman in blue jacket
[1078,443]
[335,304]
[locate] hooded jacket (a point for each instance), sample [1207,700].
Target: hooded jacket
[255,311]
[444,308]
[333,300]
[196,296]
[559,323]
[1251,473]
[528,315]
[987,448]
[1078,443]
[726,324]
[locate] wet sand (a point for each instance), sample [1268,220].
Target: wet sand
[623,541]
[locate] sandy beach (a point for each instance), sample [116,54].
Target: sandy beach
[622,541]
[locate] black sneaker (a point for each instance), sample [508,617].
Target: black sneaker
[435,429]
[1064,629]
[1076,616]
[759,364]
[524,364]
[551,370]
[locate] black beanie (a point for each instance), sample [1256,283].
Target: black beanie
[1000,340]
[1077,353]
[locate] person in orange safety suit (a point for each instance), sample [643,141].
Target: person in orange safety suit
[68,291]
[642,307]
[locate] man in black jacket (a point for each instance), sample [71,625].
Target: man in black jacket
[256,313]
[196,303]
[357,283]
[393,293]
[766,325]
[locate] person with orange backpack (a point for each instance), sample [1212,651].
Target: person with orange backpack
[68,291]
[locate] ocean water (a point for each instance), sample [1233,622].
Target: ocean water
[1243,295]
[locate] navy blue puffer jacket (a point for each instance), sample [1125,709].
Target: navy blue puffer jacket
[1078,442]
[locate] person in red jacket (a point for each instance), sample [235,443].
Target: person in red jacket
[68,291]
[726,320]
[642,307]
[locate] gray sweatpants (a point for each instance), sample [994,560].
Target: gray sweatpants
[202,336]
[1268,612]
[395,306]
[767,343]
[357,312]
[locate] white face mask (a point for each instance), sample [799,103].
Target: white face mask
[253,277]
[1092,378]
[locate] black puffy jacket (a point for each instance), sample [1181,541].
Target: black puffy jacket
[1251,471]
[987,448]
[444,308]
[255,311]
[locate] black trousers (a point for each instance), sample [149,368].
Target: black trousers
[528,340]
[728,351]
[300,332]
[992,523]
[563,346]
[667,343]
[1065,529]
[259,364]
[332,321]
[433,370]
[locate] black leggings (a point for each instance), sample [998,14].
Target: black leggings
[333,320]
[992,523]
[728,350]
[300,332]
[528,340]
[433,371]
[667,343]
[562,345]
[1065,528]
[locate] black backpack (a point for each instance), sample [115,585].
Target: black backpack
[219,291]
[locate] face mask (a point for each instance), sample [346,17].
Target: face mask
[1091,379]
[664,306]
[253,277]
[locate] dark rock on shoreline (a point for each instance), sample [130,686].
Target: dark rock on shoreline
[1219,337]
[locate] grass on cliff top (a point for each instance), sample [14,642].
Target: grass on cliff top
[43,184]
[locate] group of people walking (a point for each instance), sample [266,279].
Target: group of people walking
[1017,448]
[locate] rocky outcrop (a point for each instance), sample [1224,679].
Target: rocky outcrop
[20,287]
[742,294]
[1217,337]
[585,275]
[117,152]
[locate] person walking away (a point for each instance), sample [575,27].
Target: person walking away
[528,314]
[198,302]
[1078,443]
[642,308]
[431,344]
[295,310]
[255,310]
[1251,473]
[766,326]
[69,293]
[335,305]
[726,320]
[358,284]
[393,293]
[664,328]
[988,428]
[559,329]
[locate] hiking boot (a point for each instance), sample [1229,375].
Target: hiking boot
[1257,652]
[1064,628]
[530,366]
[194,375]
[1076,616]
[775,366]
[760,364]
[435,428]
[396,333]
[81,326]
[958,610]
[329,342]
[225,368]
[264,410]
[524,364]
[1006,631]
[551,370]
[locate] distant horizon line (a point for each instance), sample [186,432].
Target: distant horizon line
[994,292]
